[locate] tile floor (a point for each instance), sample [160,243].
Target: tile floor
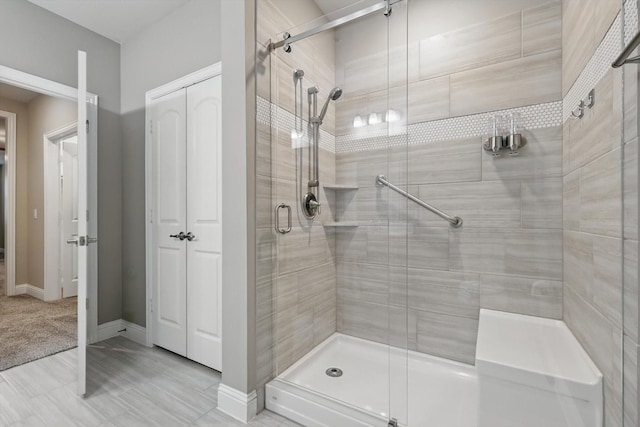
[127,385]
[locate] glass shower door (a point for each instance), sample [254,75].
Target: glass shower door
[339,318]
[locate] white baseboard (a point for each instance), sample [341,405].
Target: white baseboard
[109,330]
[237,404]
[34,291]
[135,333]
[115,328]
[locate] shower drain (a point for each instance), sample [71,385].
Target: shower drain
[334,372]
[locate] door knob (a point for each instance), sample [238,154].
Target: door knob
[190,236]
[73,240]
[180,236]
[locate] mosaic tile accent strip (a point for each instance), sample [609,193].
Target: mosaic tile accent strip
[271,115]
[534,117]
[630,20]
[596,68]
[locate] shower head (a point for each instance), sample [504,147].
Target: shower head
[335,93]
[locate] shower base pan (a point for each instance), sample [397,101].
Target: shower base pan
[373,387]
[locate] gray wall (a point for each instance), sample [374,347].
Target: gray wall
[183,42]
[46,45]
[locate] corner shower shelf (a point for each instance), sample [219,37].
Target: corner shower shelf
[341,224]
[337,187]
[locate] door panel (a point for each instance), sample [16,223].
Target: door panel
[204,340]
[169,218]
[82,221]
[69,191]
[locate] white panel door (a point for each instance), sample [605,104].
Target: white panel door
[69,214]
[83,198]
[169,303]
[204,339]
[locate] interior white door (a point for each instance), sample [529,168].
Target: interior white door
[169,302]
[83,254]
[69,215]
[204,250]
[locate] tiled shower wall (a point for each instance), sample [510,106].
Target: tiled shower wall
[595,242]
[508,254]
[296,289]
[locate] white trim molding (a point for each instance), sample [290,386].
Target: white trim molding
[237,404]
[28,289]
[135,333]
[10,202]
[109,329]
[123,328]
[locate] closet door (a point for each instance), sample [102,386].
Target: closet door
[169,302]
[203,221]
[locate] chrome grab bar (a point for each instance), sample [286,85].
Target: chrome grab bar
[624,56]
[455,221]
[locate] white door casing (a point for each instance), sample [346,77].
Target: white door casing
[204,278]
[169,187]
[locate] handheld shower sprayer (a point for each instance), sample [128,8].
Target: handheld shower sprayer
[310,206]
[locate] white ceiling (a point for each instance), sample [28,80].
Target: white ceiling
[115,19]
[16,93]
[330,6]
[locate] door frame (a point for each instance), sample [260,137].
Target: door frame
[44,86]
[53,238]
[10,200]
[178,84]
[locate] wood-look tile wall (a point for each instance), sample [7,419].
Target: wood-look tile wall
[510,61]
[296,288]
[507,256]
[404,276]
[594,240]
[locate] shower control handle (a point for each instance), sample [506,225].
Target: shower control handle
[314,204]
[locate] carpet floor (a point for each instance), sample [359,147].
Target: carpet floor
[31,329]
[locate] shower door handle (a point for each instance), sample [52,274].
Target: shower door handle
[277,214]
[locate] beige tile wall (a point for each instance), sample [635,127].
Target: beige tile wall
[594,248]
[296,289]
[510,61]
[508,255]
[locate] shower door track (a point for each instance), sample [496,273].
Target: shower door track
[289,39]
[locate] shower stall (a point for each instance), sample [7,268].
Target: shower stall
[443,241]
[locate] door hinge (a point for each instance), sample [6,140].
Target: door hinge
[87,215]
[150,126]
[87,300]
[151,305]
[87,126]
[393,422]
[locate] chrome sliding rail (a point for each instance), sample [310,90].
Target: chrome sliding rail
[455,221]
[385,6]
[624,56]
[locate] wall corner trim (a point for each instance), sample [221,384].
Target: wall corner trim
[34,291]
[237,404]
